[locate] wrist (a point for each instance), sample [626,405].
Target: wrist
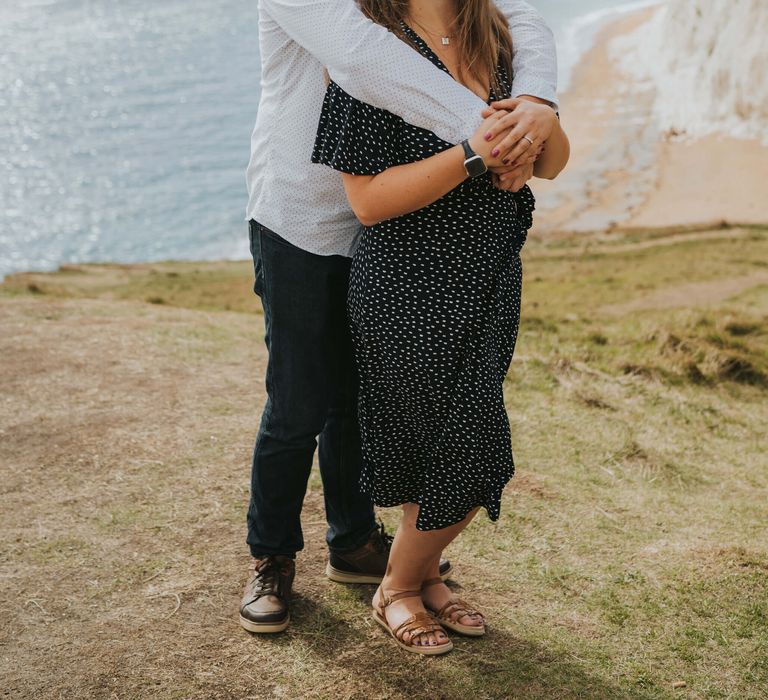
[474,163]
[475,143]
[535,100]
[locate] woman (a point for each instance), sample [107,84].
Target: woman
[434,304]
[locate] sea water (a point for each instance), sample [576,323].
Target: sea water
[125,124]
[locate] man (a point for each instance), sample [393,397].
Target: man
[302,236]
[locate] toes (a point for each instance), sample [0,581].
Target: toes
[410,639]
[472,620]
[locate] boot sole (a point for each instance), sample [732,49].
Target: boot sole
[348,577]
[264,627]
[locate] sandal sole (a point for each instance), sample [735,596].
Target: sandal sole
[466,630]
[424,651]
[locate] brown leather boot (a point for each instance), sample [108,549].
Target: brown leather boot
[368,563]
[264,607]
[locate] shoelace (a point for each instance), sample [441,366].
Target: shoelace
[267,579]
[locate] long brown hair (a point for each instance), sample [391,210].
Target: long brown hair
[482,34]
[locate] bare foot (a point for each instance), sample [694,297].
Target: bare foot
[398,612]
[437,595]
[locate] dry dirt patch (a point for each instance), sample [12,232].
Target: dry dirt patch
[126,431]
[710,293]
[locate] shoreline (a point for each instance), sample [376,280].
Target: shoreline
[580,36]
[625,172]
[112,275]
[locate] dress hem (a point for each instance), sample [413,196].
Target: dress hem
[493,513]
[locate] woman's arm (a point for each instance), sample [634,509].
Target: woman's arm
[403,189]
[554,157]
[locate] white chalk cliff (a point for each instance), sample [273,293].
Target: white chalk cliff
[708,63]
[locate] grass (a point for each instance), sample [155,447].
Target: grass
[630,560]
[213,286]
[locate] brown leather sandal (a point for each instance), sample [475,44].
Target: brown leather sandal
[447,615]
[417,624]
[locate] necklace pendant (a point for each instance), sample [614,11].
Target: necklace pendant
[446,40]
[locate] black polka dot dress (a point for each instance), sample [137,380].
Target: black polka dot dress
[434,307]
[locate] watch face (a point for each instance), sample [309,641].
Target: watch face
[475,166]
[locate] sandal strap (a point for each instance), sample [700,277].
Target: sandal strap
[403,594]
[387,600]
[417,624]
[455,606]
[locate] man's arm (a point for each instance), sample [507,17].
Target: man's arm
[376,67]
[534,62]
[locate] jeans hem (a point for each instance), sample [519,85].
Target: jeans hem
[360,543]
[262,555]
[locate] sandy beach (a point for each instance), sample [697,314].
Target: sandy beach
[626,171]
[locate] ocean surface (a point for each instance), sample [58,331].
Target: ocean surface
[125,125]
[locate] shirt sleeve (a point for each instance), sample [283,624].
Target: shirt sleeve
[355,137]
[374,66]
[534,63]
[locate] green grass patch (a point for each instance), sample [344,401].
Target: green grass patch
[630,561]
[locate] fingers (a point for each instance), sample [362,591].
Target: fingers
[487,112]
[512,185]
[490,125]
[529,125]
[508,104]
[481,140]
[513,146]
[529,157]
[504,169]
[513,174]
[509,185]
[505,122]
[514,179]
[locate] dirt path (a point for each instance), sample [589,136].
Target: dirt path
[611,243]
[710,293]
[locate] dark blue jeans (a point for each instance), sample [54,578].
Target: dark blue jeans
[311,391]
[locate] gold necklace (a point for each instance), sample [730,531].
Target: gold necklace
[445,40]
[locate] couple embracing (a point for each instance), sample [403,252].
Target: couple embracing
[388,207]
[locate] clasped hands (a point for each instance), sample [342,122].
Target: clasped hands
[510,139]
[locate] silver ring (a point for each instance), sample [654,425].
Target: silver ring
[529,140]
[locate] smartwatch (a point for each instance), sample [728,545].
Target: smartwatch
[473,163]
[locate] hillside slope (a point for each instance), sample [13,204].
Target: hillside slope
[632,550]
